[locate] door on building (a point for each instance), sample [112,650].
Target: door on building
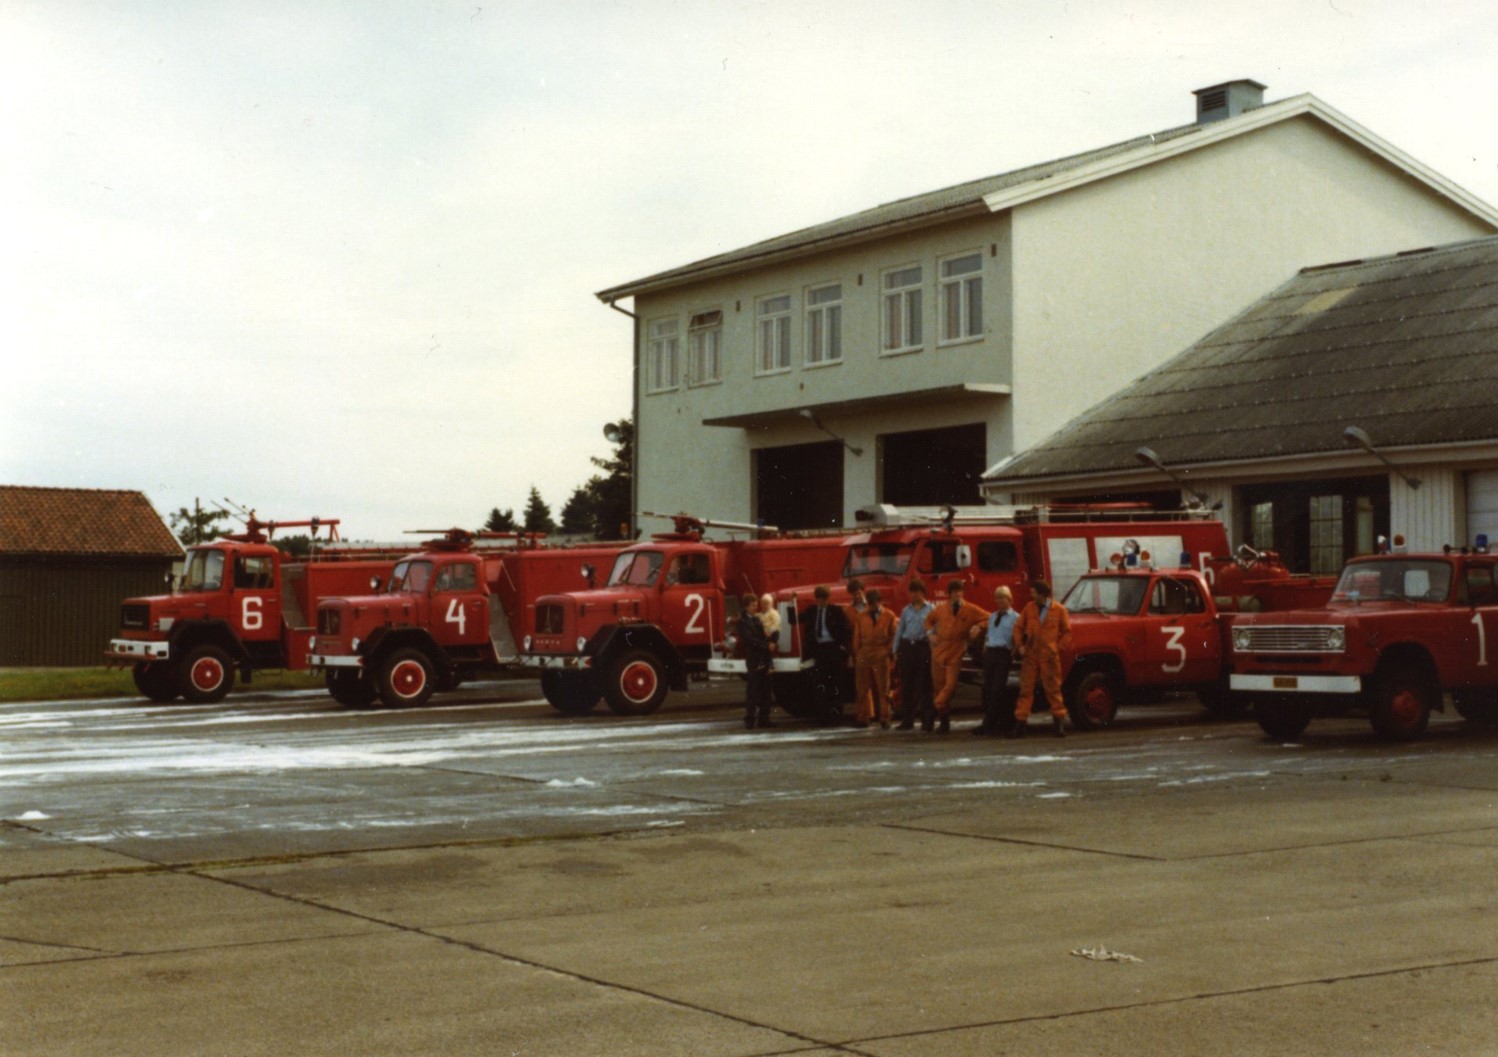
[799,486]
[933,467]
[1316,525]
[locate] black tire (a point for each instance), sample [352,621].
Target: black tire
[634,683]
[205,675]
[1282,719]
[157,681]
[351,687]
[1478,707]
[1092,698]
[570,693]
[405,679]
[1403,699]
[1222,702]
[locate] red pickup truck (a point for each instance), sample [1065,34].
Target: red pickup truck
[1399,632]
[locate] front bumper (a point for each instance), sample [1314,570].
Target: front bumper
[334,660]
[132,650]
[1296,683]
[737,666]
[555,661]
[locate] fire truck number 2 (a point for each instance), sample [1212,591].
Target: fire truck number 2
[250,616]
[696,604]
[1173,635]
[455,615]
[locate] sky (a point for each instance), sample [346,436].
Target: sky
[339,259]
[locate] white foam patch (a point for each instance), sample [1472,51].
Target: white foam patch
[682,772]
[33,816]
[560,783]
[1054,796]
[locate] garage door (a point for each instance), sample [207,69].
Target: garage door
[1482,504]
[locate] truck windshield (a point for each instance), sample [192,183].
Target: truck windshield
[1402,581]
[410,578]
[636,568]
[204,572]
[875,559]
[1119,595]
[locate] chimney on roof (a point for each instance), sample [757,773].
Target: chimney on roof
[1228,99]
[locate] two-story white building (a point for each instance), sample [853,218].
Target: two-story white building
[893,355]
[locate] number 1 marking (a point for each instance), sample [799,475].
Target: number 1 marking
[1482,641]
[455,615]
[1174,635]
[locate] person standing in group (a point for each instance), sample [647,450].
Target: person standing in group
[856,605]
[769,616]
[757,663]
[873,641]
[998,652]
[913,656]
[1043,632]
[952,625]
[825,636]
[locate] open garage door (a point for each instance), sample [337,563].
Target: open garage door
[799,486]
[932,467]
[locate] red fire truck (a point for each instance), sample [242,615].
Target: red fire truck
[665,614]
[1138,629]
[239,604]
[442,616]
[1399,631]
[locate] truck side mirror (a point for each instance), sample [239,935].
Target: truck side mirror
[964,556]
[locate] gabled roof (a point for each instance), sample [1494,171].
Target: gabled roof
[994,194]
[82,521]
[1404,347]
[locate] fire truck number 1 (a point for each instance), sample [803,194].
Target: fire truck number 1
[696,603]
[1482,641]
[455,615]
[250,616]
[1174,646]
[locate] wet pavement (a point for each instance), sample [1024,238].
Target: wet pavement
[277,874]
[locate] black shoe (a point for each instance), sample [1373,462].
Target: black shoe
[1060,722]
[764,723]
[945,726]
[906,724]
[861,724]
[980,731]
[927,726]
[884,724]
[748,722]
[1018,730]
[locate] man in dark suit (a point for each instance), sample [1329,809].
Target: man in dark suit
[825,637]
[758,662]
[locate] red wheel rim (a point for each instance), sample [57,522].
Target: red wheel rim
[1404,706]
[1099,702]
[207,675]
[408,678]
[638,681]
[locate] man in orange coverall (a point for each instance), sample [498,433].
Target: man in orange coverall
[1043,631]
[873,641]
[952,624]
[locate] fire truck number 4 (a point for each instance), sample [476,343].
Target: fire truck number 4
[455,615]
[1173,635]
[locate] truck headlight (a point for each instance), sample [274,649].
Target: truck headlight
[1240,639]
[1336,638]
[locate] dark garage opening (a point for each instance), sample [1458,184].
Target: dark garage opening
[799,486]
[931,467]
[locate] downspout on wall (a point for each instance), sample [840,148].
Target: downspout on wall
[634,417]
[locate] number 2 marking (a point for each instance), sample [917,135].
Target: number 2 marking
[694,619]
[1482,641]
[1174,645]
[455,615]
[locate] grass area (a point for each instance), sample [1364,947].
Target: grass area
[56,684]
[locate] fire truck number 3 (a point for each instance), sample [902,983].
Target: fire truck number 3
[250,616]
[455,615]
[1175,647]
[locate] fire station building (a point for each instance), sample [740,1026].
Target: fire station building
[892,355]
[1356,400]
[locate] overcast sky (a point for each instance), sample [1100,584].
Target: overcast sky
[340,258]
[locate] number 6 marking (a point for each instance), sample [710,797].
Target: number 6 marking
[250,617]
[694,620]
[1174,635]
[1482,641]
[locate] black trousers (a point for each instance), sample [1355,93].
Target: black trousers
[757,697]
[998,701]
[914,659]
[828,673]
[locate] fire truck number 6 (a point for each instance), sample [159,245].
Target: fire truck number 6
[250,616]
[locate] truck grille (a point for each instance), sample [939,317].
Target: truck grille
[329,621]
[1288,638]
[549,620]
[134,616]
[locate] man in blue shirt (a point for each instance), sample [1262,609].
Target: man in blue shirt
[998,653]
[913,658]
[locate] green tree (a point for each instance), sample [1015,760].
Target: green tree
[298,546]
[501,521]
[538,514]
[614,490]
[197,525]
[580,512]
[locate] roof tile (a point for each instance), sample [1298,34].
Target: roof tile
[82,521]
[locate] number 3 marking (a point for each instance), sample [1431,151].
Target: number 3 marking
[694,619]
[1174,645]
[455,615]
[1482,641]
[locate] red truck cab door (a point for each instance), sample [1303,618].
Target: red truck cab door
[691,607]
[459,604]
[1182,644]
[254,597]
[1478,590]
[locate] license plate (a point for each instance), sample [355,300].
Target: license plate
[1286,682]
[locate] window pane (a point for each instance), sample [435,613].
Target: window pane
[814,337]
[824,294]
[952,311]
[913,334]
[771,305]
[974,307]
[962,265]
[903,277]
[783,341]
[835,332]
[893,336]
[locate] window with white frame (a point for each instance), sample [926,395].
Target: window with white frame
[774,341]
[902,310]
[962,297]
[664,346]
[705,348]
[824,324]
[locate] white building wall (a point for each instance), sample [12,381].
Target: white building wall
[1117,276]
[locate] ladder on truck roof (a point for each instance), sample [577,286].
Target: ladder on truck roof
[886,515]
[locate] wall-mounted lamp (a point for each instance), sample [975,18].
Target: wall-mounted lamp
[1149,458]
[1359,438]
[806,413]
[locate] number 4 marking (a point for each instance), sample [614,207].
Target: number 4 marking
[455,615]
[1174,645]
[1482,641]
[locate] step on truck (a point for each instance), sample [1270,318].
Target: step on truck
[1399,633]
[240,605]
[443,615]
[1140,628]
